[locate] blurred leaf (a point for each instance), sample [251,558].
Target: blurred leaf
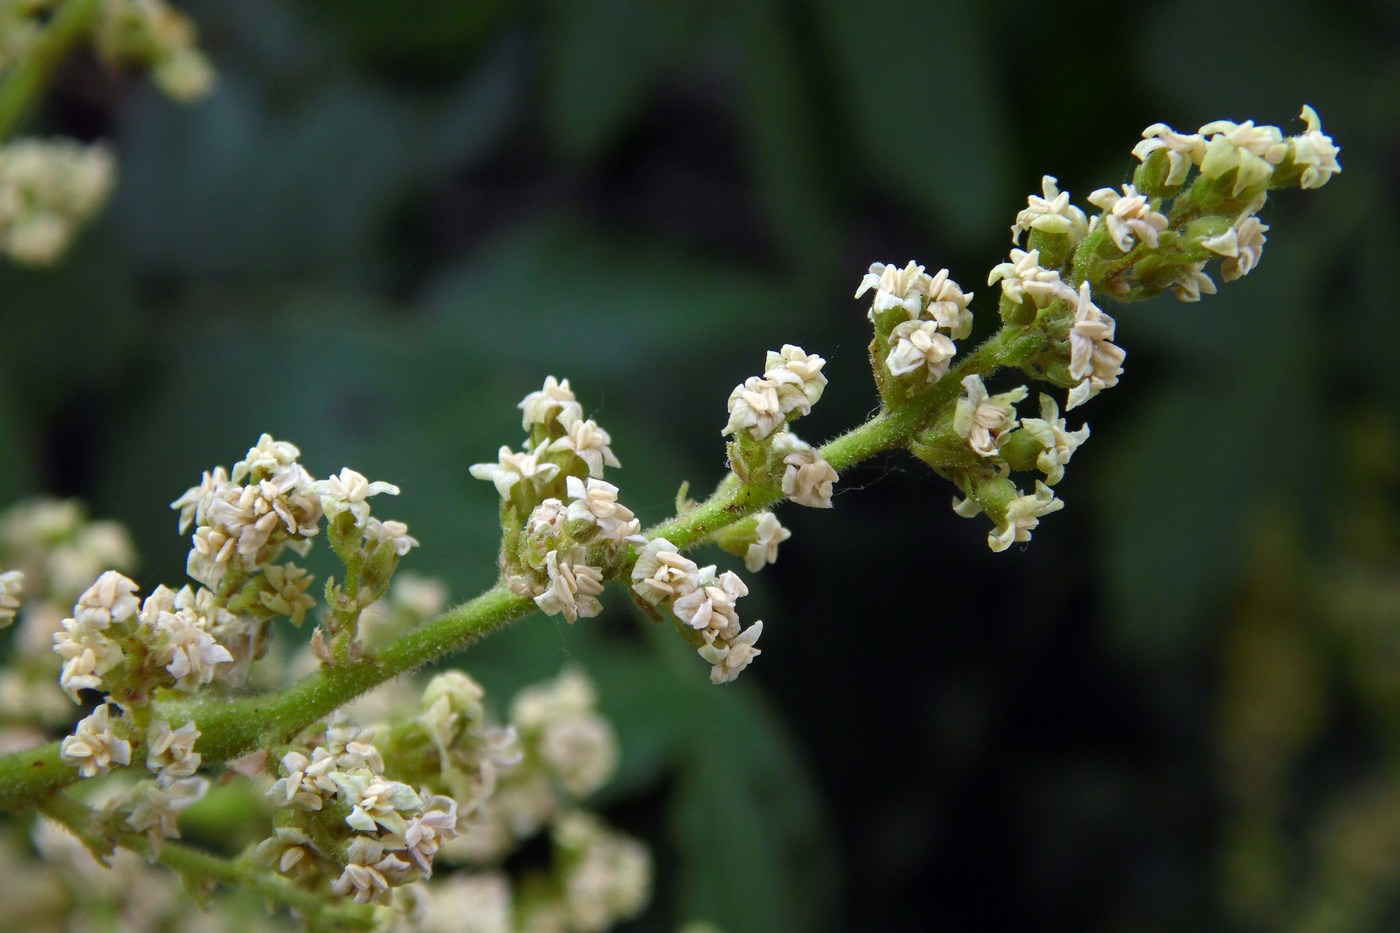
[745,820]
[435,36]
[1242,420]
[919,89]
[604,302]
[784,130]
[602,59]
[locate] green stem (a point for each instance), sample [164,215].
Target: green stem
[27,79]
[229,728]
[198,866]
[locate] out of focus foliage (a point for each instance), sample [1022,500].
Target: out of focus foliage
[1175,710]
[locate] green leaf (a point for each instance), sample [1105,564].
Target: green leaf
[923,107]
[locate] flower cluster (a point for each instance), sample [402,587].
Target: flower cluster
[702,602]
[570,529]
[917,317]
[49,189]
[1155,234]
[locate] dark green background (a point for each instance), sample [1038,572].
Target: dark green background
[391,221]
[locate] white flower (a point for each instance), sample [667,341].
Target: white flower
[158,806]
[596,501]
[111,599]
[170,752]
[1023,277]
[730,659]
[1315,150]
[808,479]
[266,459]
[586,441]
[895,288]
[187,651]
[194,504]
[88,655]
[306,782]
[390,532]
[1251,151]
[1093,357]
[754,406]
[555,400]
[947,304]
[1193,283]
[1050,212]
[425,833]
[981,419]
[348,492]
[1241,245]
[662,573]
[511,468]
[379,802]
[581,751]
[797,377]
[11,582]
[1182,151]
[95,745]
[918,345]
[713,606]
[367,872]
[573,586]
[1059,442]
[1023,515]
[1129,217]
[768,534]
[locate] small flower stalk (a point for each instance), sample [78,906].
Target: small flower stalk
[362,807]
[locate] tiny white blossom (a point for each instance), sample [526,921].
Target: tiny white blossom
[662,573]
[1193,283]
[1023,277]
[808,479]
[1058,441]
[1023,515]
[287,594]
[1251,151]
[768,534]
[573,586]
[1315,150]
[380,803]
[730,659]
[1050,212]
[158,806]
[194,503]
[511,468]
[390,532]
[111,599]
[754,406]
[797,377]
[981,419]
[596,501]
[265,459]
[947,305]
[425,833]
[1241,245]
[11,582]
[87,654]
[1094,359]
[916,346]
[306,782]
[713,606]
[187,651]
[367,872]
[348,492]
[586,441]
[170,752]
[1129,217]
[1182,150]
[95,745]
[895,287]
[555,400]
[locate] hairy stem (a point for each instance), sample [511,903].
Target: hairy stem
[27,79]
